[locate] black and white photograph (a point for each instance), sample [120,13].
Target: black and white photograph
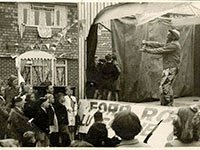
[93,74]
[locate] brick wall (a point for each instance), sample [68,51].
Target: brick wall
[104,45]
[10,36]
[73,73]
[8,27]
[7,68]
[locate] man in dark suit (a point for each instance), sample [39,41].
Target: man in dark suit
[41,120]
[62,116]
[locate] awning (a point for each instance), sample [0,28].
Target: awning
[145,12]
[36,54]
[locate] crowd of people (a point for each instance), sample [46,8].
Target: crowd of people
[127,126]
[105,78]
[51,121]
[48,120]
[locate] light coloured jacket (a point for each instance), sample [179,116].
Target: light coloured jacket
[170,53]
[72,111]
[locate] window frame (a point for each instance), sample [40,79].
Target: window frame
[62,9]
[65,65]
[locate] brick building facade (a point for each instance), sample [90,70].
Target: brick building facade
[11,42]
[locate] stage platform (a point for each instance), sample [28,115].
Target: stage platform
[178,102]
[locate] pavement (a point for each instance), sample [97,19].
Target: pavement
[178,102]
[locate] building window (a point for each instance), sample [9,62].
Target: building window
[61,72]
[58,17]
[37,71]
[36,17]
[42,14]
[25,14]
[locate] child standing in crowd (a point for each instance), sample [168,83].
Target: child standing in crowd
[72,106]
[110,75]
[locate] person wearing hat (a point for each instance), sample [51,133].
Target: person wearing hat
[171,61]
[12,90]
[41,120]
[17,121]
[127,126]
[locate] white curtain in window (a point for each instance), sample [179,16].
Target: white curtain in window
[63,15]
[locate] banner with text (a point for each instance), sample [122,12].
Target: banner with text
[149,116]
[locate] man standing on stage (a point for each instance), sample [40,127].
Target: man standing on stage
[171,60]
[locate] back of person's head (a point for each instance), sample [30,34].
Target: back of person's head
[82,143]
[187,124]
[29,139]
[108,57]
[97,135]
[98,116]
[114,57]
[60,97]
[50,89]
[126,125]
[11,79]
[17,101]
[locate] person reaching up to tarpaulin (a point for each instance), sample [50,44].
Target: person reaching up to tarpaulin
[171,60]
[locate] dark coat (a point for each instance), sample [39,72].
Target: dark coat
[41,120]
[110,74]
[30,109]
[18,124]
[61,113]
[10,93]
[51,114]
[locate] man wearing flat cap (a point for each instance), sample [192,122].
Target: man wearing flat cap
[171,60]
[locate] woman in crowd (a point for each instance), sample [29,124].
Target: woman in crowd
[26,90]
[12,90]
[30,107]
[126,125]
[17,122]
[186,128]
[72,106]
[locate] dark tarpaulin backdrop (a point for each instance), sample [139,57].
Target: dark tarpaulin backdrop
[141,72]
[91,50]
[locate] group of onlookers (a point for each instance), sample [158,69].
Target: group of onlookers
[46,121]
[106,78]
[51,121]
[127,126]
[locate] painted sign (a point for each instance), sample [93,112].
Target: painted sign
[149,116]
